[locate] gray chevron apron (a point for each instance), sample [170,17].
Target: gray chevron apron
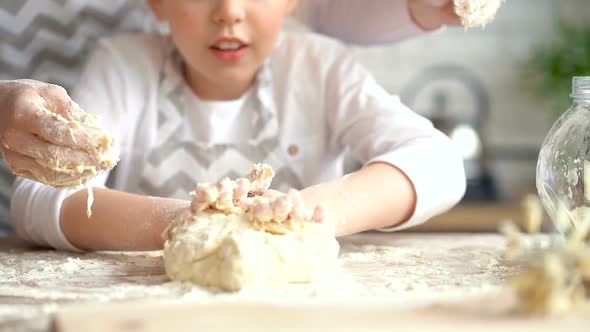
[180,158]
[48,40]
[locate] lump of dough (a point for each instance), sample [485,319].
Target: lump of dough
[233,238]
[226,251]
[477,13]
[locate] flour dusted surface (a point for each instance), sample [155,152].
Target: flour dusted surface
[406,270]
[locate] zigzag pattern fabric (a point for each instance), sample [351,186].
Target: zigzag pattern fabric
[48,40]
[179,160]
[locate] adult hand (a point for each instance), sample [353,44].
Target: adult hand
[46,137]
[432,14]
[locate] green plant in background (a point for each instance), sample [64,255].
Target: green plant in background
[551,67]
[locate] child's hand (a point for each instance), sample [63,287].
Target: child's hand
[228,194]
[46,137]
[252,193]
[432,14]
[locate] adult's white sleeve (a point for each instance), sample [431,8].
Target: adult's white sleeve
[363,22]
[377,127]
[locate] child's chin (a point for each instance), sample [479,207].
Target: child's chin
[235,73]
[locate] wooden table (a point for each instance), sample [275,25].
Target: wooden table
[399,272]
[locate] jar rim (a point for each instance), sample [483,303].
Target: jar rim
[581,87]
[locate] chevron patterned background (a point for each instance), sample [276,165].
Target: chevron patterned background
[48,40]
[180,158]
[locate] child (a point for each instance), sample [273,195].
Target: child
[227,90]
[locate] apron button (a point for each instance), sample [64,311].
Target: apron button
[293,150]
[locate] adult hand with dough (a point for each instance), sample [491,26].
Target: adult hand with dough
[432,14]
[46,137]
[373,22]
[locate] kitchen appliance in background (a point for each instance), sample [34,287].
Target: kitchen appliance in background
[455,100]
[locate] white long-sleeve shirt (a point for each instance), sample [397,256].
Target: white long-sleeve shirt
[363,22]
[311,101]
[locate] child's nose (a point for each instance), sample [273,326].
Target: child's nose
[229,12]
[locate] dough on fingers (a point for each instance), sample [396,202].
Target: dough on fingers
[477,13]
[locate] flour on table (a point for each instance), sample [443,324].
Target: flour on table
[233,238]
[402,270]
[72,265]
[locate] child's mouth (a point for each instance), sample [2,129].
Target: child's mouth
[229,50]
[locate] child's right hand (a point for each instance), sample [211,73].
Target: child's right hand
[46,137]
[252,193]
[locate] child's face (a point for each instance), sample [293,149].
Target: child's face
[224,41]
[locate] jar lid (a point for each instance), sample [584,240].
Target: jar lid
[581,87]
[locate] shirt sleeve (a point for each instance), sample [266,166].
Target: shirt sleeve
[363,22]
[377,127]
[35,207]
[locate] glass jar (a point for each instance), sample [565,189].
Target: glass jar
[563,168]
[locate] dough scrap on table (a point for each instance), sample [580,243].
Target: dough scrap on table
[557,282]
[477,13]
[234,238]
[89,201]
[554,281]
